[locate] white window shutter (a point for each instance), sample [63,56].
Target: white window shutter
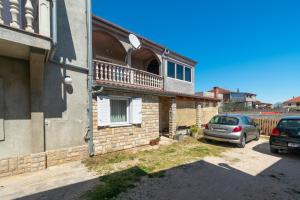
[103,106]
[136,111]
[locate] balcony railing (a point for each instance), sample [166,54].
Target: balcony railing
[30,15]
[112,73]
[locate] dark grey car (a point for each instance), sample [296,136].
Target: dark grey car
[237,129]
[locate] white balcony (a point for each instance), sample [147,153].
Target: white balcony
[32,16]
[24,24]
[124,76]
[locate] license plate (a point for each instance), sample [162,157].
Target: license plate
[219,130]
[293,145]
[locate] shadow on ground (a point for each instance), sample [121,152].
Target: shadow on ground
[198,180]
[218,143]
[264,148]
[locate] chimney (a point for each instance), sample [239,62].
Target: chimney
[216,92]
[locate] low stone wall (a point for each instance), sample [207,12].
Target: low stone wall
[60,156]
[207,113]
[110,139]
[186,113]
[35,162]
[22,164]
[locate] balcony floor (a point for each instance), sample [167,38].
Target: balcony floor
[16,43]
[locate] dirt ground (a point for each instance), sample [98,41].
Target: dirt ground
[250,173]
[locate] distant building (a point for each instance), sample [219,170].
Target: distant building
[262,105]
[228,96]
[293,103]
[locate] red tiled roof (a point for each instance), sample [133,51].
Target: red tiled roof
[294,100]
[221,90]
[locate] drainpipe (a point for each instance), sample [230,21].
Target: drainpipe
[90,78]
[54,28]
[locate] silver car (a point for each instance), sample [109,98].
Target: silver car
[237,129]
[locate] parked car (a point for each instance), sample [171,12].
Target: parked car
[286,135]
[237,129]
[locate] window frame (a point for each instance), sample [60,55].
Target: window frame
[176,63]
[127,99]
[187,67]
[174,69]
[183,72]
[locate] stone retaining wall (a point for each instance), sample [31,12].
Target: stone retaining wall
[35,162]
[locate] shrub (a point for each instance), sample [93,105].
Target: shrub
[194,131]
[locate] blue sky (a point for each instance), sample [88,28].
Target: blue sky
[253,45]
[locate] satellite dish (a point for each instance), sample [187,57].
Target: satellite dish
[135,42]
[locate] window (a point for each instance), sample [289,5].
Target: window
[224,120]
[289,124]
[118,111]
[179,72]
[188,74]
[247,121]
[115,111]
[171,69]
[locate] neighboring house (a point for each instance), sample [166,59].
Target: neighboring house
[262,105]
[293,103]
[229,96]
[143,92]
[43,119]
[71,86]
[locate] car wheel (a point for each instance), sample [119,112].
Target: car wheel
[275,151]
[242,143]
[257,137]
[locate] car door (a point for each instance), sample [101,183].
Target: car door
[252,128]
[247,128]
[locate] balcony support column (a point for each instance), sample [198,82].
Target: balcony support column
[199,114]
[172,117]
[44,18]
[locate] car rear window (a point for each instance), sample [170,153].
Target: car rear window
[289,123]
[225,120]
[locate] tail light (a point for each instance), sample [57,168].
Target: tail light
[275,132]
[237,129]
[206,126]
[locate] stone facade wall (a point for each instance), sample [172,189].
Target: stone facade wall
[60,156]
[22,164]
[206,114]
[35,162]
[186,113]
[109,139]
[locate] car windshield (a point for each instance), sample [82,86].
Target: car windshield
[289,123]
[225,120]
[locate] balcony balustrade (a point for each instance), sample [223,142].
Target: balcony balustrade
[112,73]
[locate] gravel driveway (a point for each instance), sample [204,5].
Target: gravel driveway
[242,174]
[250,173]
